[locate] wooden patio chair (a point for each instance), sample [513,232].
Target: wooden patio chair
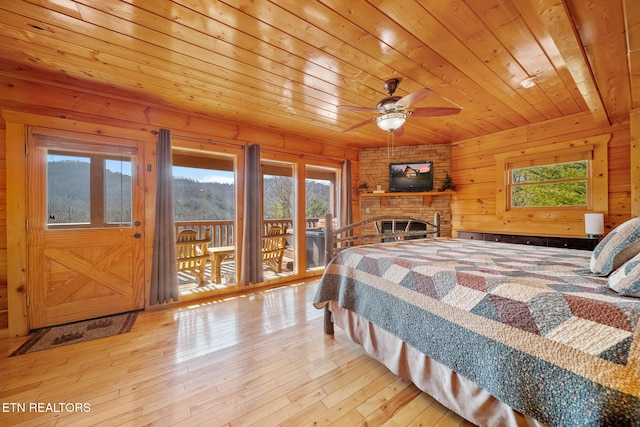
[191,252]
[273,246]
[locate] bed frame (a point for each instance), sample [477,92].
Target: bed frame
[352,234]
[349,235]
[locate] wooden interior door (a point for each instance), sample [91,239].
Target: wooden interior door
[85,229]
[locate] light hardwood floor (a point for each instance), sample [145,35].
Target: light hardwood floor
[259,360]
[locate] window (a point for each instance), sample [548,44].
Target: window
[557,184]
[558,180]
[88,189]
[203,194]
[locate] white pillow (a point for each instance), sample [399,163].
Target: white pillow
[626,279]
[619,246]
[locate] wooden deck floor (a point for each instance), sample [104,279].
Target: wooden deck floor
[229,275]
[260,359]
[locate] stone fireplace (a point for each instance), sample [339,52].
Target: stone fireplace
[374,171]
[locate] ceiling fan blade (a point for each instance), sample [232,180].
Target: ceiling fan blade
[412,98]
[355,108]
[399,131]
[434,111]
[366,122]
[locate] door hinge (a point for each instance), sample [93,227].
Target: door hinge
[26,149]
[26,224]
[27,300]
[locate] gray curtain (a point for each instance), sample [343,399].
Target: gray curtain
[346,201]
[164,275]
[251,263]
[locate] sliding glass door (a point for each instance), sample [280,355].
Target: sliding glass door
[204,187]
[279,217]
[320,198]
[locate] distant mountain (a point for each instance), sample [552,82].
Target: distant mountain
[201,201]
[69,193]
[69,196]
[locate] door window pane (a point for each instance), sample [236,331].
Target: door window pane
[88,189]
[68,188]
[117,190]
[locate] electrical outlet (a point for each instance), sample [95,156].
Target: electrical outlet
[367,210]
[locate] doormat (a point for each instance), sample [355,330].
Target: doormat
[72,333]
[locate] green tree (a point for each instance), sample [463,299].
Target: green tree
[560,184]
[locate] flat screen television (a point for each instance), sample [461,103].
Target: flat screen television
[411,176]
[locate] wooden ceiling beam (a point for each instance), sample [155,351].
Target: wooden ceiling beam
[632,31]
[558,23]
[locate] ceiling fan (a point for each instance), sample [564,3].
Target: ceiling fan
[394,110]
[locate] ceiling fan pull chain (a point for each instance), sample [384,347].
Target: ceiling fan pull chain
[390,144]
[393,144]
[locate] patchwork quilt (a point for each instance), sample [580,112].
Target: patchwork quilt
[531,325]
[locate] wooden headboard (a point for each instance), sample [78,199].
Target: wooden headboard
[351,234]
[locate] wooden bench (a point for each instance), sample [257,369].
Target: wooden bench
[192,252]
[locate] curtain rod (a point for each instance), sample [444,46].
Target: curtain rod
[155,132]
[269,150]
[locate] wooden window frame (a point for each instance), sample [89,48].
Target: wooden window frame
[97,202]
[594,149]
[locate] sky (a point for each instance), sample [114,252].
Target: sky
[200,175]
[204,175]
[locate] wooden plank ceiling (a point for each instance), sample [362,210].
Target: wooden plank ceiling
[287,65]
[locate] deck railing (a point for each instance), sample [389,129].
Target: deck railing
[223,232]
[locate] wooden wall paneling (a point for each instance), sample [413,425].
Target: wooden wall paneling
[473,162]
[16,196]
[97,106]
[635,162]
[621,181]
[149,164]
[4,295]
[4,302]
[632,26]
[476,152]
[3,194]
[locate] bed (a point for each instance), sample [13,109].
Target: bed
[502,334]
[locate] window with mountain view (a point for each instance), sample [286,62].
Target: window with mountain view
[203,194]
[88,189]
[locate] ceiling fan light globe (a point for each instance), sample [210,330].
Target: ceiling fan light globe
[391,121]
